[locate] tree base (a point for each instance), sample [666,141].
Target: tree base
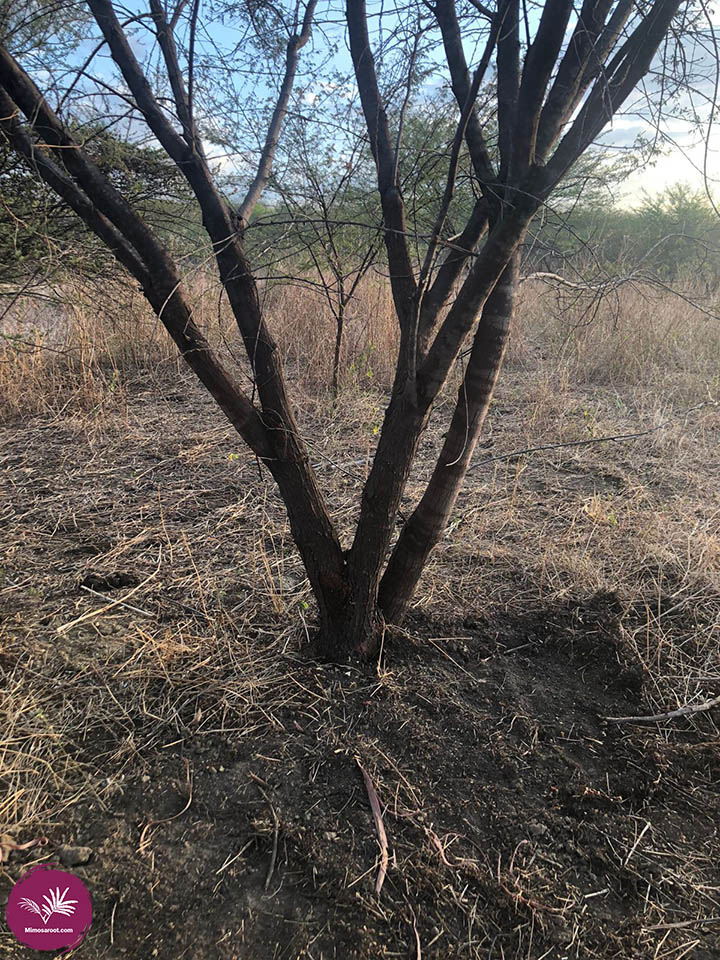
[350,638]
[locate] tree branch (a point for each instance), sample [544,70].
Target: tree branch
[295,44]
[157,278]
[508,83]
[461,84]
[461,248]
[583,49]
[310,522]
[402,275]
[613,87]
[177,84]
[539,62]
[489,264]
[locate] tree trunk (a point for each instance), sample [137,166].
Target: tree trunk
[340,321]
[349,623]
[426,525]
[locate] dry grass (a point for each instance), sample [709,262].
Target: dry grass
[639,340]
[124,481]
[77,346]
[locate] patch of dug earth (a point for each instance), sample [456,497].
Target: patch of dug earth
[519,822]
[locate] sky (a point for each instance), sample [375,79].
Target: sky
[684,156]
[682,163]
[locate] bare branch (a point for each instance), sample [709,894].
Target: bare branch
[177,84]
[685,711]
[583,52]
[508,83]
[481,8]
[461,85]
[295,44]
[402,275]
[539,62]
[115,226]
[615,85]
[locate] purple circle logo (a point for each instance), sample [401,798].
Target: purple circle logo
[49,909]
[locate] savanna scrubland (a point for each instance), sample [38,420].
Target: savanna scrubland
[523,763]
[160,704]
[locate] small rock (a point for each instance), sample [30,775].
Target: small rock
[113,789]
[74,856]
[537,830]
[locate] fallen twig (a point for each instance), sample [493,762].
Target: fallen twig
[112,924]
[591,441]
[700,921]
[671,714]
[144,838]
[273,855]
[7,845]
[637,843]
[114,603]
[128,606]
[379,826]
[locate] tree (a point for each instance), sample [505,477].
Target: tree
[39,235]
[325,188]
[560,75]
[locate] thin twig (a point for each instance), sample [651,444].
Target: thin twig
[615,438]
[276,832]
[379,826]
[637,843]
[684,923]
[418,946]
[144,838]
[671,714]
[114,603]
[112,924]
[128,606]
[231,861]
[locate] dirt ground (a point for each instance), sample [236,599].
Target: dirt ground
[213,767]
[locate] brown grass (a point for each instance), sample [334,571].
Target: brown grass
[81,344]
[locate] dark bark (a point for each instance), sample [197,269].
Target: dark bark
[539,62]
[289,464]
[460,81]
[402,275]
[339,325]
[581,55]
[449,272]
[426,525]
[615,83]
[501,243]
[508,83]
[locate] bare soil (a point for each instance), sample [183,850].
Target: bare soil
[190,739]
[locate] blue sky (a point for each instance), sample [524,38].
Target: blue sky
[688,153]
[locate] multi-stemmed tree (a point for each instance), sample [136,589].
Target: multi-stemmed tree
[560,70]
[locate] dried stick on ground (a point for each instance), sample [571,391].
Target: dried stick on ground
[379,826]
[671,714]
